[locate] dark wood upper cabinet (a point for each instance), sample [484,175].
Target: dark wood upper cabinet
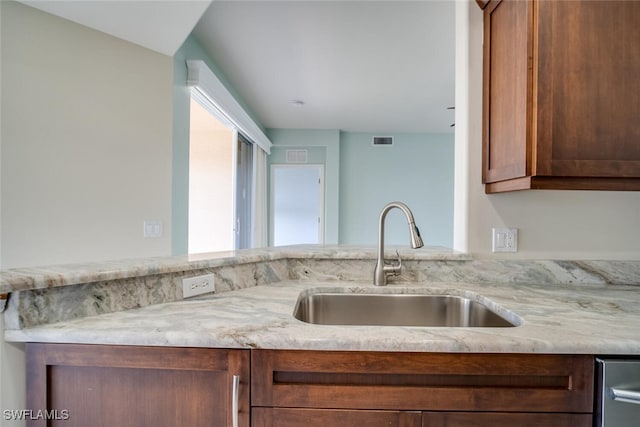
[561,107]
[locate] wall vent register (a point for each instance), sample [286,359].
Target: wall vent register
[383,140]
[297,156]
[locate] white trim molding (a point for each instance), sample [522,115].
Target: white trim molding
[206,84]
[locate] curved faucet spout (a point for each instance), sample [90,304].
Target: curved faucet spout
[382,271]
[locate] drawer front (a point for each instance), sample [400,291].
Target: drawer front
[422,381]
[484,419]
[290,417]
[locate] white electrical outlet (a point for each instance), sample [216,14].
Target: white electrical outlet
[505,240]
[192,286]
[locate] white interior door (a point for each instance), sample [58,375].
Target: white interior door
[297,204]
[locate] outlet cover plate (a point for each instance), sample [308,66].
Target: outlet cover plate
[198,285]
[505,240]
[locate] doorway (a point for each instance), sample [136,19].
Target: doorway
[297,204]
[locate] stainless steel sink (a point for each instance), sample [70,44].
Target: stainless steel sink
[396,309]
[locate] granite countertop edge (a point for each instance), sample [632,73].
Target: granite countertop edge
[31,278]
[555,320]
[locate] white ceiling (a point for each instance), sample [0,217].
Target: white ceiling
[370,66]
[159,25]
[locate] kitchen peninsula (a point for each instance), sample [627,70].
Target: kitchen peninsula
[566,306]
[566,312]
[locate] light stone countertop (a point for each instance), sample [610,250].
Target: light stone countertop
[51,276]
[570,319]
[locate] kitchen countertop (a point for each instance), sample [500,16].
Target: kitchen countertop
[569,319]
[51,276]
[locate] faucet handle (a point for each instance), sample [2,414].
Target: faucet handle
[397,268]
[393,269]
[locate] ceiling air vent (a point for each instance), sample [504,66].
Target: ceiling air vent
[383,140]
[297,156]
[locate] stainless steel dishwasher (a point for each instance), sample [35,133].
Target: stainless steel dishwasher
[618,392]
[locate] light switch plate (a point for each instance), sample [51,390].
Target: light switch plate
[152,229]
[198,285]
[505,240]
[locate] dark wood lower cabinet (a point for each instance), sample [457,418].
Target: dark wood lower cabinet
[96,385]
[103,385]
[307,389]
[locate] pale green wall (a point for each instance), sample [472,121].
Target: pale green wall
[180,151]
[360,179]
[417,170]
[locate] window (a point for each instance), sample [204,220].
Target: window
[249,147]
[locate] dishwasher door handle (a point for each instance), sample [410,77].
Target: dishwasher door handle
[627,396]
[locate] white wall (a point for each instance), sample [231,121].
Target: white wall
[86,140]
[552,224]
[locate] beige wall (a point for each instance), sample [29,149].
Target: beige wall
[86,153]
[86,143]
[552,224]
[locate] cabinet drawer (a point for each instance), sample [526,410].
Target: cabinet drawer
[290,417]
[295,417]
[422,381]
[484,419]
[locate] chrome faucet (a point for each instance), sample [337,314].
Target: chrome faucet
[382,271]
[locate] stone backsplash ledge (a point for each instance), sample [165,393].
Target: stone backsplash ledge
[31,307]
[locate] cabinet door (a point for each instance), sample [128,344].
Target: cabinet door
[96,385]
[507,90]
[484,419]
[588,86]
[289,417]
